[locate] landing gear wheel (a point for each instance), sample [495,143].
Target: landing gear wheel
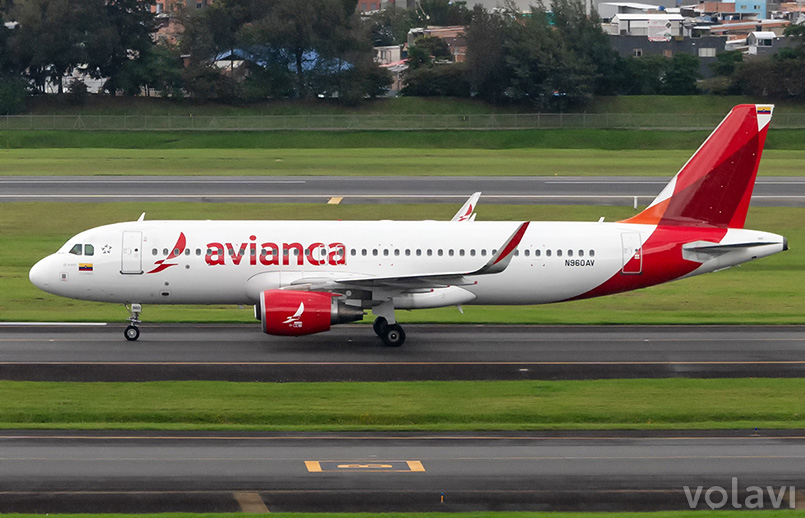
[380,325]
[393,335]
[132,333]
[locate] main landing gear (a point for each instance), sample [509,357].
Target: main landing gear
[392,335]
[132,332]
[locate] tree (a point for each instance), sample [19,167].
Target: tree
[445,80]
[47,43]
[442,12]
[681,75]
[390,26]
[486,63]
[726,62]
[120,34]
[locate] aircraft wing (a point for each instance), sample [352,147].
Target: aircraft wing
[496,264]
[465,213]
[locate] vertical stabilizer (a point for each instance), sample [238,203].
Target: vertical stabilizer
[714,187]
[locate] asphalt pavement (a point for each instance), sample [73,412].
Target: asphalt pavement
[598,190]
[49,472]
[54,352]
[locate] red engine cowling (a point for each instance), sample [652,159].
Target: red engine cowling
[296,313]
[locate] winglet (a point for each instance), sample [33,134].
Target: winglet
[465,212]
[503,257]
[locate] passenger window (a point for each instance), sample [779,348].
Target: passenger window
[592,253]
[527,252]
[407,252]
[76,250]
[461,252]
[430,252]
[547,253]
[472,253]
[89,250]
[187,251]
[396,252]
[440,253]
[559,253]
[353,252]
[164,251]
[418,252]
[153,251]
[570,253]
[198,251]
[483,252]
[581,253]
[363,252]
[517,253]
[374,252]
[385,252]
[537,253]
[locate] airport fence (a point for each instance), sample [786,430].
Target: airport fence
[376,122]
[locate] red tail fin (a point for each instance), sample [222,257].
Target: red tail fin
[715,186]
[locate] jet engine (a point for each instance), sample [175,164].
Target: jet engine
[296,313]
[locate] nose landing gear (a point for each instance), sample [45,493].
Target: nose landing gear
[132,332]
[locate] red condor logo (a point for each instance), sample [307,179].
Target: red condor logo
[175,252]
[316,254]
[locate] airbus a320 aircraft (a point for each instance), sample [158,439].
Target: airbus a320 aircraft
[304,276]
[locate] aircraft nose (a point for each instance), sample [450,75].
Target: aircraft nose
[39,275]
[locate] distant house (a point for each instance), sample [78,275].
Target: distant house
[607,10]
[452,35]
[762,43]
[388,54]
[639,24]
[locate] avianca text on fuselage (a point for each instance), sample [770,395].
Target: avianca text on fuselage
[275,254]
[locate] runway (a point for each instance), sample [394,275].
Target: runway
[599,190]
[50,472]
[431,352]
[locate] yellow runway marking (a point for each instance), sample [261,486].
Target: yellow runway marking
[335,200]
[392,466]
[251,503]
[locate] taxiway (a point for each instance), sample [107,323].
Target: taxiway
[432,352]
[598,190]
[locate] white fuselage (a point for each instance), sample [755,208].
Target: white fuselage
[232,262]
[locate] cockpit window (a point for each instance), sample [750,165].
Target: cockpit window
[89,250]
[76,250]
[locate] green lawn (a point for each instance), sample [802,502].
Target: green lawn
[783,513]
[767,291]
[368,162]
[435,405]
[104,105]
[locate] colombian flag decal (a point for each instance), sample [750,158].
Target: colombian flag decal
[85,267]
[764,110]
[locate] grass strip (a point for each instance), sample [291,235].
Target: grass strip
[782,513]
[365,162]
[414,141]
[761,292]
[434,405]
[657,104]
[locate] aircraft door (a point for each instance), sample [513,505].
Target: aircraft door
[131,253]
[632,253]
